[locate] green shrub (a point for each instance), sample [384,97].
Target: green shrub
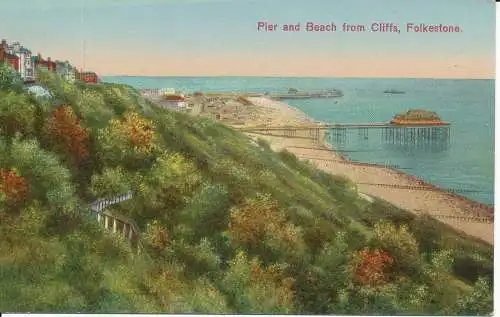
[400,243]
[112,182]
[479,302]
[207,211]
[253,289]
[51,183]
[10,80]
[17,114]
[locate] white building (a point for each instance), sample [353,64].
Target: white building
[66,71]
[26,67]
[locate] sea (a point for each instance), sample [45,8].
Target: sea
[464,164]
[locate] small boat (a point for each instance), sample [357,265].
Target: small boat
[393,91]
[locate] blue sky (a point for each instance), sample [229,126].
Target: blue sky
[214,37]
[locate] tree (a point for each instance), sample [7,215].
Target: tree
[156,235]
[370,267]
[400,243]
[207,210]
[249,223]
[64,132]
[256,289]
[49,181]
[128,141]
[13,188]
[112,182]
[17,114]
[10,80]
[259,225]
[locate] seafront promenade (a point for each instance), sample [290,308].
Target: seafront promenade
[253,115]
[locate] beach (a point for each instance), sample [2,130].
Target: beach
[451,209]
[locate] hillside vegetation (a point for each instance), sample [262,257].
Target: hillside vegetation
[228,224]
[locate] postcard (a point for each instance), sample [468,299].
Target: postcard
[247,157]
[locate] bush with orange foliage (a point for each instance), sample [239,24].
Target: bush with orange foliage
[139,130]
[13,187]
[256,288]
[370,267]
[132,134]
[157,235]
[64,130]
[273,277]
[248,224]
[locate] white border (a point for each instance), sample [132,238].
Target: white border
[496,294]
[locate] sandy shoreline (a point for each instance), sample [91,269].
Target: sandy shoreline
[445,206]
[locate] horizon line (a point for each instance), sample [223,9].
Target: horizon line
[287,76]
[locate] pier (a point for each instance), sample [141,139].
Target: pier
[417,134]
[291,94]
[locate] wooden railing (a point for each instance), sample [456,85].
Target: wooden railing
[118,224]
[102,203]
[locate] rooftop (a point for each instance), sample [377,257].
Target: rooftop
[417,116]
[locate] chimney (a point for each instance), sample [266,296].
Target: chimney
[4,44]
[16,47]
